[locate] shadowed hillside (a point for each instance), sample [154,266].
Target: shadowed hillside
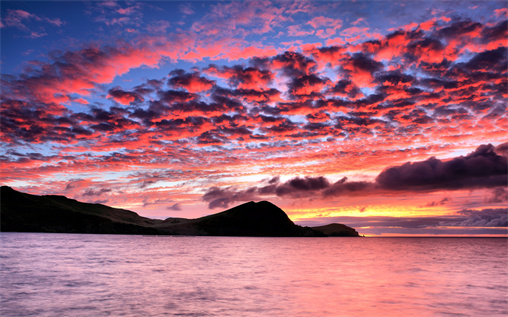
[250,219]
[30,213]
[337,230]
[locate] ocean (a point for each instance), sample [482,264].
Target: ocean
[43,274]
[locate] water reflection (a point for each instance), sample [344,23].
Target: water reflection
[100,275]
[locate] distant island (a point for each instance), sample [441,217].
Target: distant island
[21,212]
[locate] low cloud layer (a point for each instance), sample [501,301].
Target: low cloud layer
[465,222]
[482,168]
[481,218]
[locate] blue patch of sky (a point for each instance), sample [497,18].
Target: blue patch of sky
[367,91]
[24,149]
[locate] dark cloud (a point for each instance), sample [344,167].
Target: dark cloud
[249,95]
[175,207]
[287,127]
[436,69]
[243,77]
[345,188]
[445,111]
[302,186]
[108,120]
[482,168]
[219,104]
[459,28]
[169,97]
[295,187]
[330,54]
[193,82]
[487,221]
[298,187]
[394,78]
[438,203]
[430,48]
[293,64]
[346,87]
[495,33]
[345,122]
[418,116]
[307,85]
[498,195]
[181,125]
[212,138]
[364,62]
[99,192]
[223,197]
[20,157]
[502,149]
[125,97]
[262,63]
[481,218]
[493,60]
[75,183]
[289,107]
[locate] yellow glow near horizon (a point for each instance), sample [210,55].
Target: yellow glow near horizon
[367,211]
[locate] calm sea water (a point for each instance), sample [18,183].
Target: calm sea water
[120,275]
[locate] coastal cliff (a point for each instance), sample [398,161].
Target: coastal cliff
[21,212]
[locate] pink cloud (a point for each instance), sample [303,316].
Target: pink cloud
[127,11]
[159,26]
[80,71]
[319,22]
[56,22]
[407,27]
[230,18]
[358,21]
[353,31]
[20,18]
[249,52]
[335,41]
[81,101]
[295,30]
[329,26]
[501,12]
[110,4]
[186,9]
[15,18]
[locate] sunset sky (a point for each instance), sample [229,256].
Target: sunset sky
[386,116]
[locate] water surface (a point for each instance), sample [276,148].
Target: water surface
[121,275]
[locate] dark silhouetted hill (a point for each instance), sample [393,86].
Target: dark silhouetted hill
[262,219]
[337,230]
[31,213]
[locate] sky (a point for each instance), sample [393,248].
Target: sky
[388,116]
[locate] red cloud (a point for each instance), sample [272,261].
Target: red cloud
[192,82]
[236,53]
[333,55]
[361,69]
